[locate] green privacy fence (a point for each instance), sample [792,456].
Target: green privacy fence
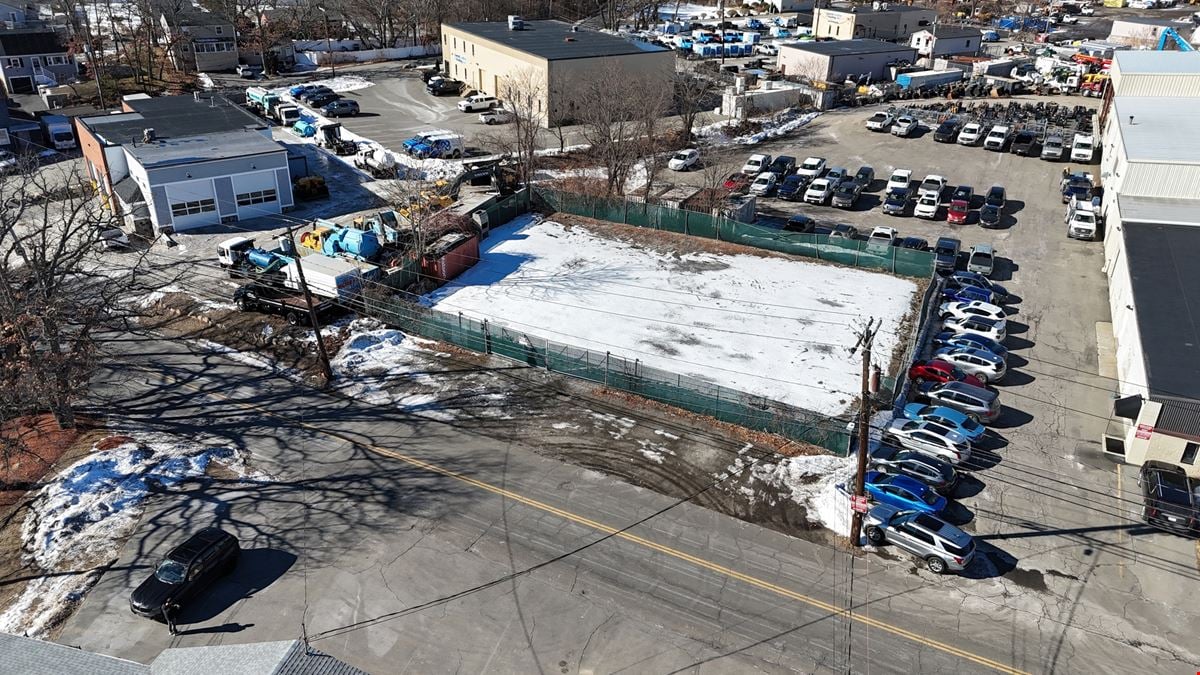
[863,254]
[632,376]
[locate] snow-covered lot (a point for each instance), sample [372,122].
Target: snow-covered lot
[770,326]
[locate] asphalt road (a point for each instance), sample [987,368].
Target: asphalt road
[377,514]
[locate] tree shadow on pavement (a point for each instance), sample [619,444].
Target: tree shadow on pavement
[257,568]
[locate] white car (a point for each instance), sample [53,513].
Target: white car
[971,134]
[496,116]
[811,167]
[976,325]
[900,179]
[756,164]
[880,121]
[764,184]
[929,438]
[818,191]
[8,162]
[978,362]
[883,235]
[905,126]
[684,160]
[961,309]
[927,207]
[997,138]
[932,185]
[766,50]
[478,102]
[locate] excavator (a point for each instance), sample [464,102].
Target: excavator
[1172,35]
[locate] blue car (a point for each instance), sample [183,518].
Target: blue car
[947,417]
[978,281]
[954,293]
[792,188]
[951,339]
[903,492]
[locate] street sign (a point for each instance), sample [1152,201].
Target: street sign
[859,504]
[1144,431]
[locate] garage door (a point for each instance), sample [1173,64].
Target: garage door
[256,194]
[193,204]
[21,85]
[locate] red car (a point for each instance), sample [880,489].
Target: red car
[737,182]
[940,372]
[958,212]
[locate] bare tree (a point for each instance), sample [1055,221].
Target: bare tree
[56,294]
[693,95]
[524,95]
[614,119]
[650,104]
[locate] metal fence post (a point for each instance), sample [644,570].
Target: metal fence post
[487,337]
[606,357]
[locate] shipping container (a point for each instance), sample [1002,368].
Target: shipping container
[450,256]
[928,78]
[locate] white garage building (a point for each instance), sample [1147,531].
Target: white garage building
[182,162]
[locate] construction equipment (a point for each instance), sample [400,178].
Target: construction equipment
[308,188]
[385,225]
[304,128]
[1173,35]
[241,257]
[331,139]
[497,172]
[1094,84]
[378,161]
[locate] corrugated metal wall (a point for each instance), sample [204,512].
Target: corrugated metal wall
[1131,366]
[1178,85]
[1176,181]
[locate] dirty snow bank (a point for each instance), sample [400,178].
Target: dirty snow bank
[813,482]
[82,517]
[374,360]
[775,126]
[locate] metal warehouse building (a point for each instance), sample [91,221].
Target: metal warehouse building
[837,60]
[482,54]
[884,22]
[1150,169]
[181,162]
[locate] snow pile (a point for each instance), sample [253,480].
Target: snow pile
[82,517]
[250,359]
[814,482]
[374,360]
[772,127]
[767,326]
[686,10]
[152,298]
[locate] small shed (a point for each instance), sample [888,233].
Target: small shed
[450,256]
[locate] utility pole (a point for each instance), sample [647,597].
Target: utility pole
[865,339]
[326,369]
[721,27]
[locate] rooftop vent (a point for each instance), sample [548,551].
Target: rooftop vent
[569,39]
[148,135]
[515,22]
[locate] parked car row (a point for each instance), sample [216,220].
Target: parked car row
[811,181]
[324,99]
[1024,142]
[917,466]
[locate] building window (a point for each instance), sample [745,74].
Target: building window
[258,197]
[217,30]
[213,47]
[56,60]
[193,208]
[1189,453]
[14,63]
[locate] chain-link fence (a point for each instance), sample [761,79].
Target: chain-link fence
[870,255]
[632,376]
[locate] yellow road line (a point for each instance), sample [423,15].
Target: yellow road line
[633,538]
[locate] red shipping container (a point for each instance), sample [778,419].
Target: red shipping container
[450,256]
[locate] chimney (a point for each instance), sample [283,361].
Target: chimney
[196,96]
[148,135]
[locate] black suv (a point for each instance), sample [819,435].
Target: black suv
[187,570]
[947,132]
[1169,498]
[783,166]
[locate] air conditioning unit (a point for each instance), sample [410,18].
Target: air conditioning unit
[515,22]
[481,219]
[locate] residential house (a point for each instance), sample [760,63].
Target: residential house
[200,42]
[17,14]
[946,41]
[32,57]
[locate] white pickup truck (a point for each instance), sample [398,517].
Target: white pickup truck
[1083,148]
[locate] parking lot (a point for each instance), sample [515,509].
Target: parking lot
[1048,498]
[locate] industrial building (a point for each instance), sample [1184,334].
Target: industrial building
[838,60]
[1150,171]
[557,54]
[181,162]
[1141,31]
[946,41]
[880,21]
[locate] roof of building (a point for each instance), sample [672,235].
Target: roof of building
[1148,21]
[950,32]
[1166,293]
[1159,210]
[195,17]
[848,47]
[129,191]
[23,42]
[267,658]
[903,9]
[1150,62]
[1158,123]
[208,147]
[554,40]
[36,657]
[1179,415]
[173,117]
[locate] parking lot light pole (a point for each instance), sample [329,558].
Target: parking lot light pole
[865,340]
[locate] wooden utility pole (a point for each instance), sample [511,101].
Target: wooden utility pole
[865,339]
[326,368]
